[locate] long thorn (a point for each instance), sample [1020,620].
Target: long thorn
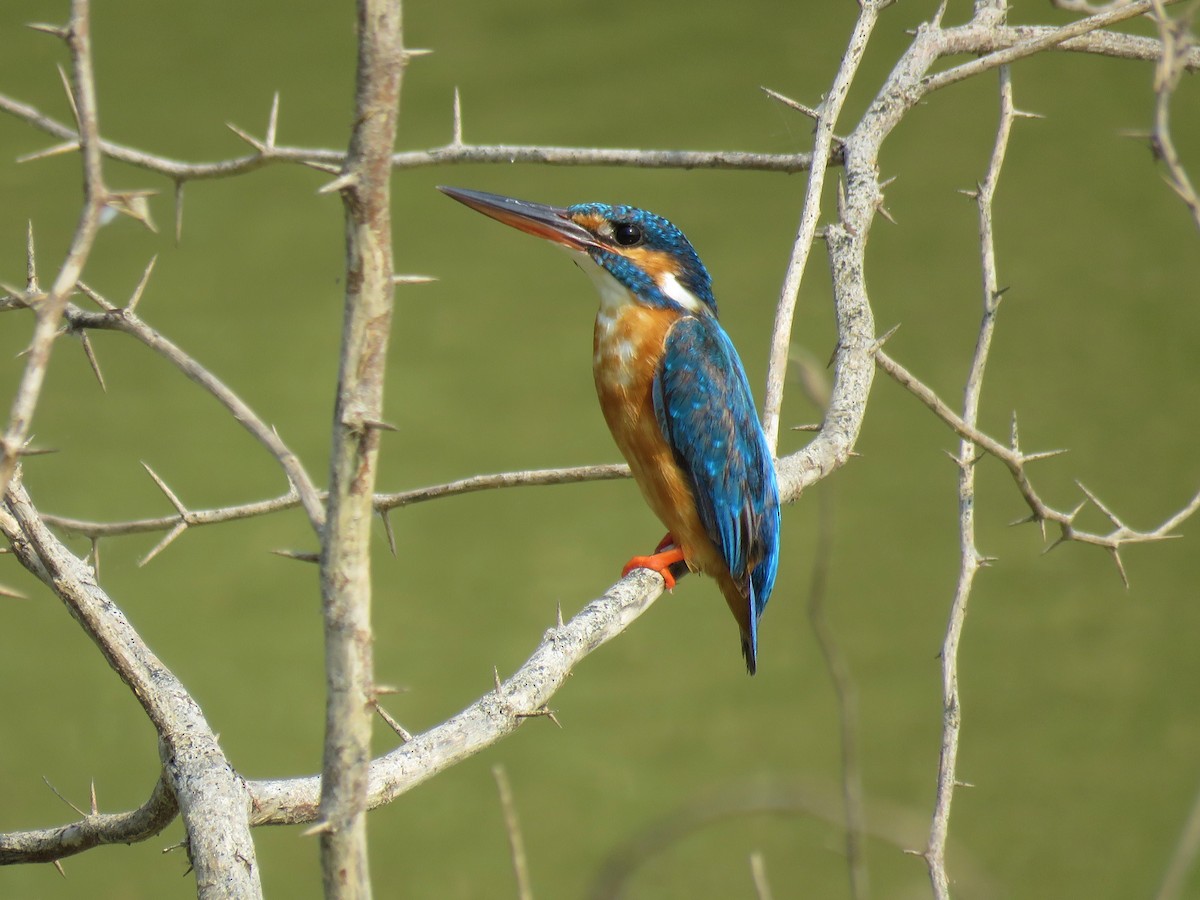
[141,285]
[273,121]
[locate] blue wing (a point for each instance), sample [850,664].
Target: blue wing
[706,412]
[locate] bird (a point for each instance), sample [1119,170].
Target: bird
[674,394]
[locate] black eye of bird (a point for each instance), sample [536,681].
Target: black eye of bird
[627,234]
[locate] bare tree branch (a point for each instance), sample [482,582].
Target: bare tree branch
[382,503]
[1040,41]
[81,91]
[211,797]
[365,186]
[493,716]
[970,559]
[512,827]
[781,336]
[453,153]
[95,829]
[1177,44]
[214,802]
[126,321]
[1016,461]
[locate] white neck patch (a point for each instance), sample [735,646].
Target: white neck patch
[670,286]
[614,295]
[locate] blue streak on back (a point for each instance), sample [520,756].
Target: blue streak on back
[704,407]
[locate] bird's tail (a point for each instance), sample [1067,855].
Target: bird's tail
[750,649]
[741,603]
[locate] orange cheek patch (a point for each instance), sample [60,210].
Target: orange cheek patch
[654,263]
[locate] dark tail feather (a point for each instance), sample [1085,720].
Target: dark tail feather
[740,599]
[748,652]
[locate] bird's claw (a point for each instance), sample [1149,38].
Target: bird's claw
[660,562]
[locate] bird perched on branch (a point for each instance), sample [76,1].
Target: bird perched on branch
[674,395]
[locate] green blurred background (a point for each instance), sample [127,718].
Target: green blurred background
[1081,726]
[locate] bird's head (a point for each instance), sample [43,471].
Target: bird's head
[644,253]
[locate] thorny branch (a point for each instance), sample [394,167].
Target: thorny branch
[126,321]
[1177,46]
[383,503]
[970,559]
[1016,461]
[365,187]
[210,796]
[827,116]
[95,829]
[267,151]
[81,91]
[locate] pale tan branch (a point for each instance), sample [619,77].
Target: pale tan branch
[1016,461]
[453,153]
[94,829]
[810,215]
[1042,40]
[1184,857]
[493,716]
[526,478]
[127,322]
[970,559]
[1111,44]
[212,800]
[365,188]
[512,827]
[1177,44]
[81,92]
[382,502]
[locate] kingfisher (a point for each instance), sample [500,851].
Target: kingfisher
[674,394]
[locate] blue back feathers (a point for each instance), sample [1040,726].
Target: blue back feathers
[705,409]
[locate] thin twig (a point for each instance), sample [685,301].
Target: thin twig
[781,335]
[1177,41]
[758,873]
[128,322]
[846,696]
[81,91]
[1016,461]
[382,502]
[453,153]
[1184,857]
[1043,41]
[970,559]
[512,827]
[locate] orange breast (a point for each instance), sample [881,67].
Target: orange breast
[628,345]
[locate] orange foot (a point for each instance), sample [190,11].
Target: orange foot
[660,562]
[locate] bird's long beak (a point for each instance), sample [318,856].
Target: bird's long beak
[550,222]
